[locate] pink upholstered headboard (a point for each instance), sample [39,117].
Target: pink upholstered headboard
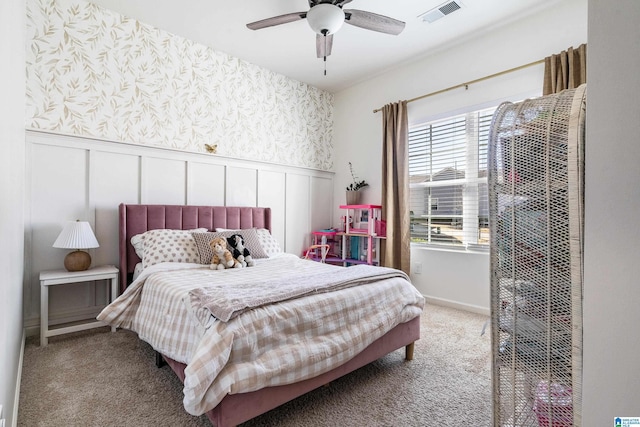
[136,219]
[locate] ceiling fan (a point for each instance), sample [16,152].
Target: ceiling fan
[325,17]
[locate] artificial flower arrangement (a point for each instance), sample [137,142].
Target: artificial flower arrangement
[356,184]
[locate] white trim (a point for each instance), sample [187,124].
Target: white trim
[151,151]
[458,305]
[16,398]
[447,182]
[474,248]
[134,146]
[32,324]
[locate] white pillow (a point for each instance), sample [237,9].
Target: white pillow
[137,270]
[169,246]
[137,241]
[268,242]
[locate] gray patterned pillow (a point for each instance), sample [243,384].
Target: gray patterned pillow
[169,246]
[202,243]
[249,235]
[268,242]
[252,242]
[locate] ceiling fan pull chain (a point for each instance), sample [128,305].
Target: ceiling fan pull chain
[324,33]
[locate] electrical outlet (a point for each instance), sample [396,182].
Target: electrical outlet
[417,268]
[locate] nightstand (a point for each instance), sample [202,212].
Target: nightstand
[62,277]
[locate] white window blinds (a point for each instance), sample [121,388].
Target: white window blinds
[448,180]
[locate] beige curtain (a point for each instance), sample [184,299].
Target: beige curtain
[566,70]
[395,187]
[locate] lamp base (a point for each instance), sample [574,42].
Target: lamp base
[77,261]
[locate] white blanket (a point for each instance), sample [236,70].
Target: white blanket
[227,300]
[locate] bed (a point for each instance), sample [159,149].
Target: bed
[285,381]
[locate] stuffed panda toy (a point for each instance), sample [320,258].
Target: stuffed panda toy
[239,251]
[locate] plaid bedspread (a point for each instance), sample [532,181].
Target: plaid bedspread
[269,345]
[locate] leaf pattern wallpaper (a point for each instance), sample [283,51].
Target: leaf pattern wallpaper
[92,72]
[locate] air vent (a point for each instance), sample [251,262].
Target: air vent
[440,11]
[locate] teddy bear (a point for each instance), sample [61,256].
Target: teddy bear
[222,257]
[239,251]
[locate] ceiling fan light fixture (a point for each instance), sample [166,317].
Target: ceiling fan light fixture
[325,18]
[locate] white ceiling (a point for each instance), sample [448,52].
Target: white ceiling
[289,49]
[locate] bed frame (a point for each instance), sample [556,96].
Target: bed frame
[237,408]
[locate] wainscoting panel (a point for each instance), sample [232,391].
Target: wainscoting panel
[323,212]
[115,179]
[206,184]
[72,178]
[164,181]
[58,188]
[298,213]
[271,192]
[242,187]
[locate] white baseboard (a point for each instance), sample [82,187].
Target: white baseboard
[458,305]
[16,398]
[32,325]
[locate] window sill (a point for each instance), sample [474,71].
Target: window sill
[471,249]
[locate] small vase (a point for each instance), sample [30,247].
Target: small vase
[353,197]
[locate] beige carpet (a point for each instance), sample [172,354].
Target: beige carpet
[99,378]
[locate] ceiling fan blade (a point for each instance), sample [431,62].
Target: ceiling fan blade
[324,45]
[277,20]
[342,2]
[373,21]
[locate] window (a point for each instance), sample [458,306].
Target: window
[434,203]
[448,180]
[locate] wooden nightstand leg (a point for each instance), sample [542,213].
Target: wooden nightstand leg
[409,351]
[114,294]
[44,314]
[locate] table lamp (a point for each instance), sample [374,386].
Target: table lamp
[76,235]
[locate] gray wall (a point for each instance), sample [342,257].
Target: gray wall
[11,190]
[611,267]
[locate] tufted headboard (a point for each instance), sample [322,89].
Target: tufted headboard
[136,219]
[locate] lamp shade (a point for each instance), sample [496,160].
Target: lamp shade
[325,18]
[76,235]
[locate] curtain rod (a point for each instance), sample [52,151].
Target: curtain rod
[465,85]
